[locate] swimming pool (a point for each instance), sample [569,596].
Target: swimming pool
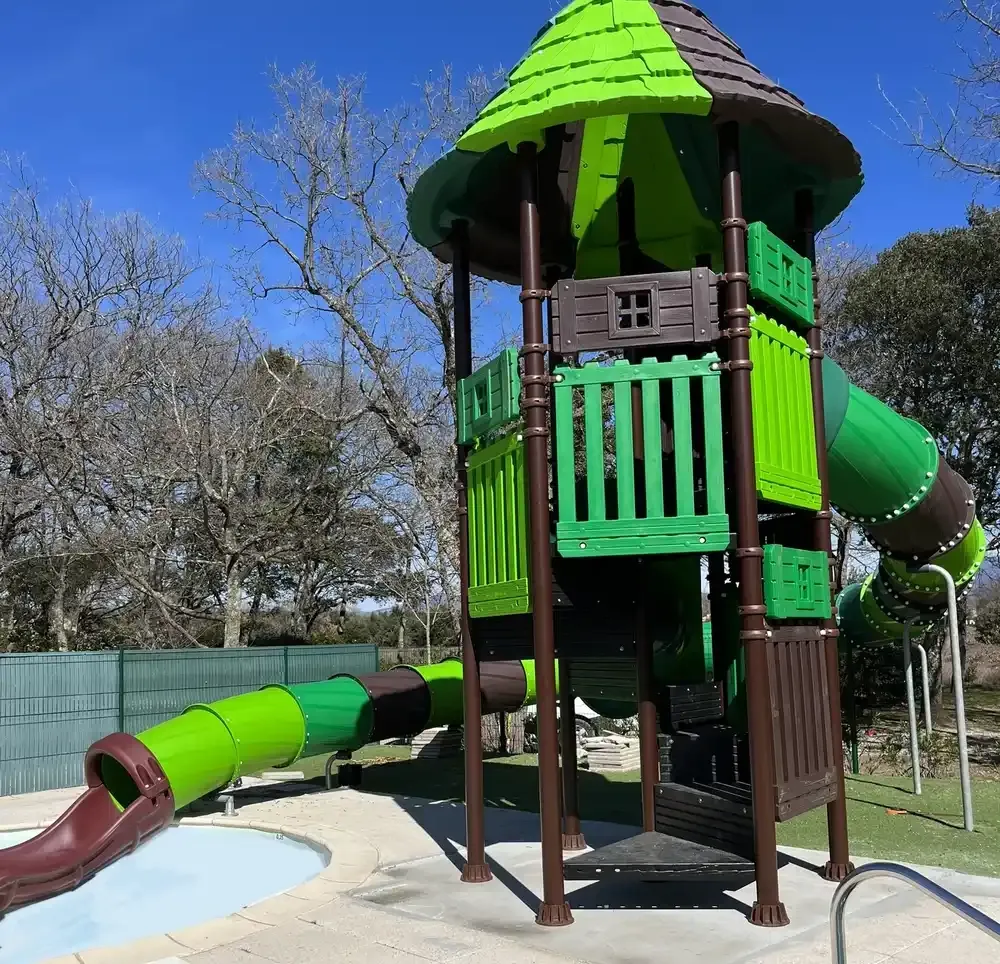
[183,876]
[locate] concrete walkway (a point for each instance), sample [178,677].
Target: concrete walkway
[391,894]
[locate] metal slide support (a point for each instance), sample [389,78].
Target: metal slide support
[956,670]
[911,708]
[838,933]
[925,679]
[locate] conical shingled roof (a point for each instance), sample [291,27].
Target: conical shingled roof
[742,93]
[598,59]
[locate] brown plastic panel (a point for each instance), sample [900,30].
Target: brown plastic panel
[684,309]
[93,832]
[800,706]
[503,685]
[401,702]
[741,93]
[927,530]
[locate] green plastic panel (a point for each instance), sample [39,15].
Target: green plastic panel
[499,572]
[706,643]
[861,618]
[196,752]
[267,727]
[836,397]
[596,59]
[780,275]
[796,583]
[444,681]
[488,398]
[337,712]
[595,207]
[530,683]
[784,434]
[963,562]
[639,521]
[881,464]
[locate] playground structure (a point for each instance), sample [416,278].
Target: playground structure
[661,197]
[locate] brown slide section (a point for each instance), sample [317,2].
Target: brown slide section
[94,831]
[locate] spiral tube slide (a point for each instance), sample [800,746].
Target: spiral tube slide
[886,474]
[135,784]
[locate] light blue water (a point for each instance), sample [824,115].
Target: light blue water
[183,876]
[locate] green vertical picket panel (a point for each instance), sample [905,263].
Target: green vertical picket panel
[652,449]
[593,414]
[498,529]
[784,430]
[715,480]
[662,529]
[624,450]
[565,453]
[490,531]
[683,446]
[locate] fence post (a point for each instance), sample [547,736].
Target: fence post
[286,665]
[121,690]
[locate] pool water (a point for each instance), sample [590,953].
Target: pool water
[181,877]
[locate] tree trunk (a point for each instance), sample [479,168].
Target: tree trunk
[427,628]
[57,609]
[233,608]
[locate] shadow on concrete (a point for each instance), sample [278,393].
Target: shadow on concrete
[444,823]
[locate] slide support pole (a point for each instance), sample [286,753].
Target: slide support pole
[956,671]
[925,680]
[911,708]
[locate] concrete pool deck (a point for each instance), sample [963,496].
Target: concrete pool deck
[391,893]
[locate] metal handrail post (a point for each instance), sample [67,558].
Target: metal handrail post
[838,930]
[925,680]
[911,708]
[956,664]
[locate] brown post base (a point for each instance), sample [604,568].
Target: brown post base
[573,841]
[476,874]
[836,872]
[769,915]
[554,915]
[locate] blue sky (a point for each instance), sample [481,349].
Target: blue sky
[119,100]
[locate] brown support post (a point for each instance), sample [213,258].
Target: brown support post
[554,910]
[649,753]
[572,838]
[768,909]
[476,870]
[839,865]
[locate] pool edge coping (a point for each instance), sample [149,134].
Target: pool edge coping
[350,861]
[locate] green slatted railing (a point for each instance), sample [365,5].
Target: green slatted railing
[498,529]
[660,503]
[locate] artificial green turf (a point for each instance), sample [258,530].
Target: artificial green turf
[930,832]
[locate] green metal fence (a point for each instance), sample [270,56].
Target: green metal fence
[54,705]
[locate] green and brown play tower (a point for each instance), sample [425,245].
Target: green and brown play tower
[668,413]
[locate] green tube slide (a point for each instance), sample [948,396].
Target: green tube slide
[210,745]
[886,474]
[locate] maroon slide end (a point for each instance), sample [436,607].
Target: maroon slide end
[94,831]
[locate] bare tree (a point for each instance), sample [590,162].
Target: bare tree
[322,194]
[965,136]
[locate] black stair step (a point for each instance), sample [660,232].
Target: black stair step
[660,856]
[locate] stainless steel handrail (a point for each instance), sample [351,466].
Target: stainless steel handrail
[838,933]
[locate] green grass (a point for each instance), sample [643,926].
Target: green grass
[930,832]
